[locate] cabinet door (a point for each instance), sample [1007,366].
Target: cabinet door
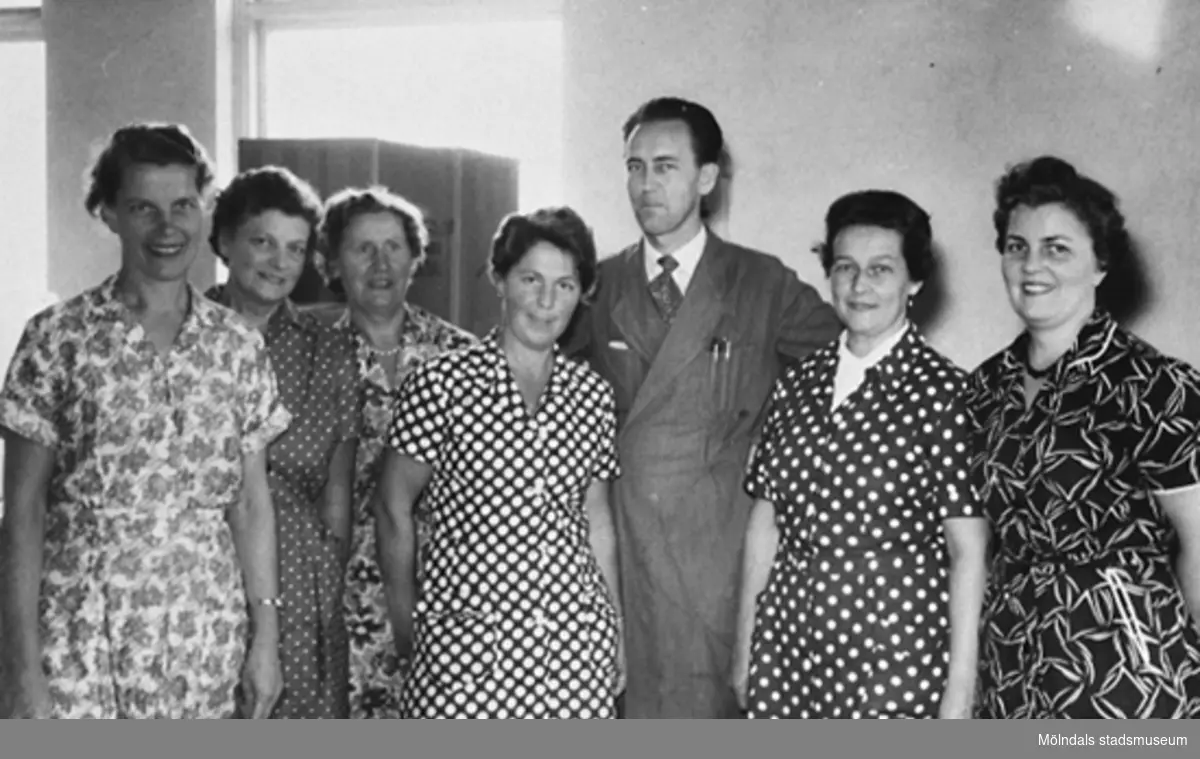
[429,178]
[489,193]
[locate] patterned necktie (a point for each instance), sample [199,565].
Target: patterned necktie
[666,293]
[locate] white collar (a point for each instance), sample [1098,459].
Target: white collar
[688,255]
[862,363]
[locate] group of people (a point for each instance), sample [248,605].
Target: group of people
[672,483]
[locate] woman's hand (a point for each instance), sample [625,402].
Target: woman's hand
[262,681]
[619,677]
[957,703]
[30,696]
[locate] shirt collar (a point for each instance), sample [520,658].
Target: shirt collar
[862,363]
[109,307]
[688,254]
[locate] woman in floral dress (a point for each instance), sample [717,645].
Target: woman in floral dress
[139,537]
[1087,453]
[375,241]
[265,229]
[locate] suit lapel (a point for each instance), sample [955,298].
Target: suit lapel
[626,315]
[692,329]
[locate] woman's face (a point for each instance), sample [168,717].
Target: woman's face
[869,282]
[1050,267]
[266,255]
[159,214]
[539,295]
[375,262]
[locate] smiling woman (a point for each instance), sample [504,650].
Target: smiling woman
[265,228]
[1087,456]
[139,537]
[516,615]
[864,569]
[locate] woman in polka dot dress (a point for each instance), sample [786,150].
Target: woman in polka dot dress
[864,559]
[264,228]
[515,446]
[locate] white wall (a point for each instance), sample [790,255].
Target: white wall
[929,97]
[107,64]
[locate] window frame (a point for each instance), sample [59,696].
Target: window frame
[253,20]
[21,25]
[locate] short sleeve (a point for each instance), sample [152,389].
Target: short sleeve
[949,456]
[1168,453]
[421,416]
[35,387]
[263,415]
[763,468]
[608,465]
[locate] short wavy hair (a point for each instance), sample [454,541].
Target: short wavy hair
[560,226]
[156,143]
[346,205]
[1049,179]
[885,209]
[256,191]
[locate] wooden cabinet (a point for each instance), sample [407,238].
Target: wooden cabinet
[464,195]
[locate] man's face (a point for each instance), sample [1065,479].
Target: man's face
[664,179]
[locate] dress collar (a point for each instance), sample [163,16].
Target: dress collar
[1081,361]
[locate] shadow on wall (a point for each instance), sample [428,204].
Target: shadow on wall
[1126,291]
[720,200]
[929,306]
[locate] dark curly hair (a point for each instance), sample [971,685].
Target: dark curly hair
[346,205]
[560,226]
[885,209]
[160,144]
[1049,179]
[256,191]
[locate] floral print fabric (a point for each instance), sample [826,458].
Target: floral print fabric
[374,666]
[142,611]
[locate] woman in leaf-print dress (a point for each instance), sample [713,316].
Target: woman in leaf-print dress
[139,538]
[375,241]
[1087,445]
[265,227]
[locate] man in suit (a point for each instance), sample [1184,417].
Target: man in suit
[692,331]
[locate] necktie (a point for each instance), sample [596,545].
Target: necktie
[667,295]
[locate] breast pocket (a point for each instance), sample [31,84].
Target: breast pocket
[625,369]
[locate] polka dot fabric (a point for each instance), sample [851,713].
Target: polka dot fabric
[853,621]
[513,618]
[318,382]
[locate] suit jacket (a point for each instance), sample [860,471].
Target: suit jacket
[688,413]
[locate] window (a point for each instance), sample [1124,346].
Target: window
[23,166]
[492,85]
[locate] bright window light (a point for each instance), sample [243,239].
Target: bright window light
[23,291]
[494,87]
